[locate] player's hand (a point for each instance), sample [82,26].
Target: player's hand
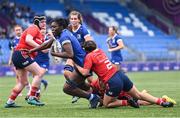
[50,35]
[52,51]
[109,50]
[10,62]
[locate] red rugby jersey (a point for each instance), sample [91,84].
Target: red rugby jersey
[34,31]
[98,62]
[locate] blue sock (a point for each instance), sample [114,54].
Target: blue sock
[90,97]
[44,81]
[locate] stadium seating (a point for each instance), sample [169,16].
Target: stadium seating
[140,36]
[143,40]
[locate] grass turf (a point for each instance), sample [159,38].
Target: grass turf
[59,104]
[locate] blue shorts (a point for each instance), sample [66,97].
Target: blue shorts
[21,60]
[116,62]
[118,82]
[43,64]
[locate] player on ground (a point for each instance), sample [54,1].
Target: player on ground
[115,44]
[25,63]
[98,87]
[82,34]
[115,81]
[71,49]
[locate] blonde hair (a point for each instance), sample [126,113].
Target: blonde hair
[78,14]
[114,28]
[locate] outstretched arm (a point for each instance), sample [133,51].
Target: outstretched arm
[43,46]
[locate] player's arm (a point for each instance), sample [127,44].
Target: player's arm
[67,52]
[83,71]
[45,45]
[29,40]
[10,57]
[88,37]
[120,46]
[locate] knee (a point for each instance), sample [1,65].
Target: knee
[106,105]
[23,82]
[139,95]
[40,73]
[66,88]
[67,74]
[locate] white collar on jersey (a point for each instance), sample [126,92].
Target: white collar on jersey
[77,28]
[114,36]
[17,37]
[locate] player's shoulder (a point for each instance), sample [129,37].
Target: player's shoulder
[33,28]
[108,39]
[118,36]
[83,28]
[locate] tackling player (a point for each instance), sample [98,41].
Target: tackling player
[98,87]
[115,81]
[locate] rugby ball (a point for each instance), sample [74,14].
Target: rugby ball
[57,48]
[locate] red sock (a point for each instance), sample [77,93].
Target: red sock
[159,101]
[124,103]
[164,99]
[33,91]
[14,94]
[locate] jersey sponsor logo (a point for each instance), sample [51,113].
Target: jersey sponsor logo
[25,63]
[110,92]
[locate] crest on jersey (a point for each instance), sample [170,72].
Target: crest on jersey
[78,36]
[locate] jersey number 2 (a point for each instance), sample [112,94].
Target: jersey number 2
[108,64]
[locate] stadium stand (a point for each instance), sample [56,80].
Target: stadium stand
[140,36]
[144,41]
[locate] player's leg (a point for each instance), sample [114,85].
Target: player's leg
[36,70]
[71,88]
[134,92]
[17,79]
[114,87]
[69,68]
[44,82]
[22,82]
[45,67]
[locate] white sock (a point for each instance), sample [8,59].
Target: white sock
[38,91]
[91,97]
[10,101]
[28,87]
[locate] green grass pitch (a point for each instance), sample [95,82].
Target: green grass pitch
[59,104]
